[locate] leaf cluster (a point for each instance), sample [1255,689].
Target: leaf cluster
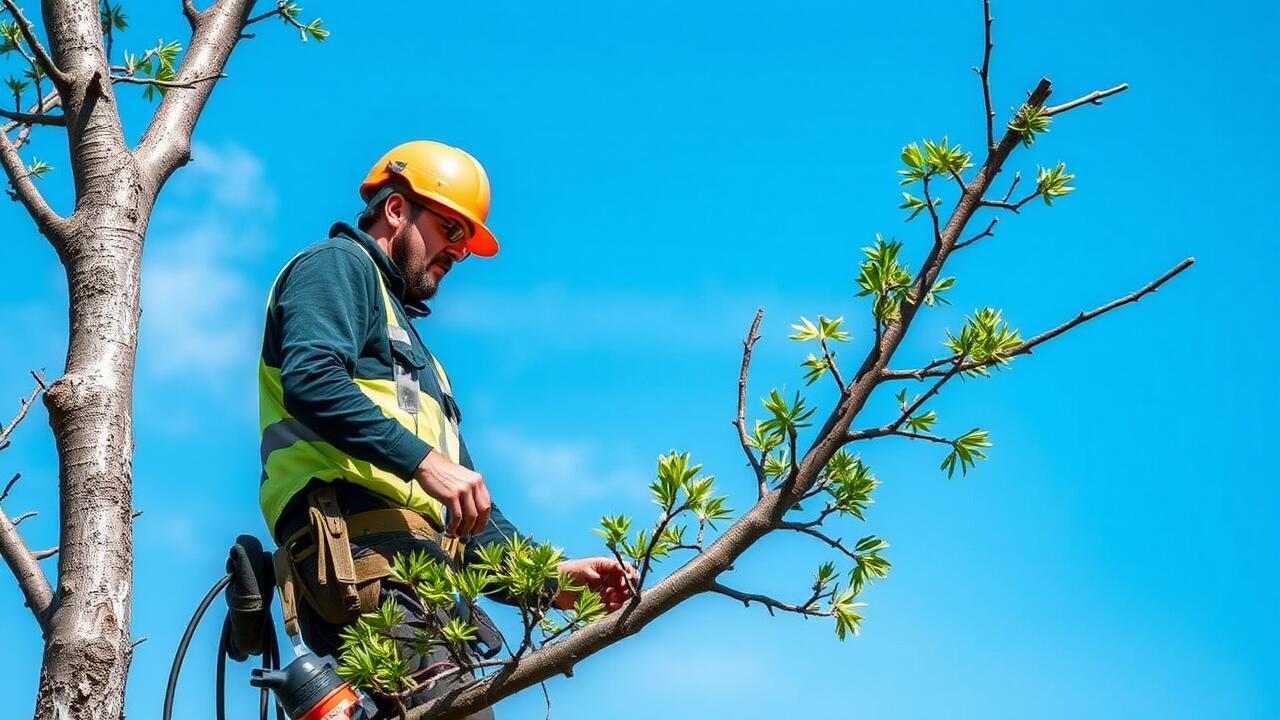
[966,450]
[1030,121]
[1052,182]
[886,277]
[985,338]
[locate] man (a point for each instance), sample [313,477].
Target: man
[361,450]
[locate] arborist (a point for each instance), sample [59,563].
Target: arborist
[362,456]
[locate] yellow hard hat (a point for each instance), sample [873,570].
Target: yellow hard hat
[440,174]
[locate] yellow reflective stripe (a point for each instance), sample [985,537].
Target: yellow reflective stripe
[432,425]
[387,307]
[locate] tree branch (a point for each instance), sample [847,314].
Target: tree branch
[49,223]
[59,78]
[985,75]
[166,144]
[190,12]
[1093,98]
[167,84]
[769,603]
[1026,347]
[979,236]
[23,118]
[741,420]
[13,424]
[25,568]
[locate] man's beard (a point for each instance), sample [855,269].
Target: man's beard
[419,285]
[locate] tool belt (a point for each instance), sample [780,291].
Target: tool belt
[341,586]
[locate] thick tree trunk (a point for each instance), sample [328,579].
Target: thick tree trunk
[88,644]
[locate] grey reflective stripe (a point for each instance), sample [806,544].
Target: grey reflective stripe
[282,434]
[406,387]
[396,332]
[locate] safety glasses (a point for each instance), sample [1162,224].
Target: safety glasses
[454,230]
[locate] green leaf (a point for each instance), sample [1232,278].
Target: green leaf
[112,17]
[849,482]
[934,296]
[815,367]
[38,168]
[922,422]
[882,275]
[966,450]
[984,338]
[1030,121]
[1052,182]
[314,29]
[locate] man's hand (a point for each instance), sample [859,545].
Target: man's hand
[604,575]
[461,491]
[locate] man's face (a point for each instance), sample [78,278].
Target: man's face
[421,250]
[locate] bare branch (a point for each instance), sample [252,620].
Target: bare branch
[33,118]
[59,78]
[1093,98]
[166,144]
[741,420]
[25,568]
[50,101]
[933,211]
[985,75]
[13,424]
[167,84]
[1014,207]
[979,236]
[50,223]
[769,603]
[814,532]
[9,486]
[191,14]
[831,365]
[1026,347]
[24,516]
[46,553]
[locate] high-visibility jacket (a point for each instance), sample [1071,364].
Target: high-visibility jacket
[347,389]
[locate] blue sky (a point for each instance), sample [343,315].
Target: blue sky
[661,170]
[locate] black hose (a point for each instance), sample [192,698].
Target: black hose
[220,678]
[186,640]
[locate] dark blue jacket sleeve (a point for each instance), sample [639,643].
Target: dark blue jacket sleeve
[326,309]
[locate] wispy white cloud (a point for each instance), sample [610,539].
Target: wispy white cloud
[199,305]
[560,475]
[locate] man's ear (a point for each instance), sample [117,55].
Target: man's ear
[395,210]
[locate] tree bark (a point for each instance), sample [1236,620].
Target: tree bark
[88,645]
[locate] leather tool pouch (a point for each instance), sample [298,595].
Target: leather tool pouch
[338,586]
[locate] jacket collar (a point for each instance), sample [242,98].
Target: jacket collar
[390,273]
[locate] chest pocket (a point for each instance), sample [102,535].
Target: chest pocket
[407,368]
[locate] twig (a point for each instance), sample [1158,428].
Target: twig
[985,75]
[167,84]
[33,118]
[1093,98]
[1014,207]
[933,211]
[741,420]
[46,553]
[9,486]
[59,78]
[769,603]
[1017,176]
[833,542]
[979,236]
[1026,347]
[831,365]
[24,516]
[22,413]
